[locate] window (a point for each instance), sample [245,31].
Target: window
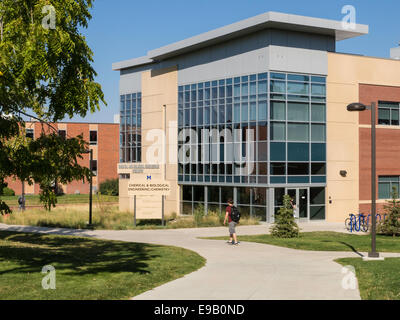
[298,111]
[29,133]
[388,184]
[278,131]
[278,110]
[388,113]
[298,169]
[278,169]
[293,105]
[62,134]
[93,167]
[93,137]
[130,128]
[298,132]
[317,203]
[298,152]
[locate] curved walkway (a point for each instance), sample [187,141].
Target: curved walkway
[247,271]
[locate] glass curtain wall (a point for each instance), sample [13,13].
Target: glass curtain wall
[130,128]
[287,114]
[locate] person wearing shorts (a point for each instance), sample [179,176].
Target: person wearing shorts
[232,224]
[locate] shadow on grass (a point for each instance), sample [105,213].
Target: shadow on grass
[352,248]
[81,256]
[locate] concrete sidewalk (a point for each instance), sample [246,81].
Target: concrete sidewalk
[247,271]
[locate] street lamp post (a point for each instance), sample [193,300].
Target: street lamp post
[362,107]
[90,186]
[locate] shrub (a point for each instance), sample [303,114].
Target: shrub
[8,192]
[110,187]
[285,225]
[391,225]
[198,214]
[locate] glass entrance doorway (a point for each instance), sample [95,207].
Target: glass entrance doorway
[300,202]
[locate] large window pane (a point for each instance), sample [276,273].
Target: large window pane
[278,110]
[278,86]
[318,169]
[298,88]
[384,190]
[187,193]
[317,195]
[278,169]
[278,131]
[384,116]
[278,197]
[317,212]
[318,112]
[198,193]
[259,197]
[318,152]
[262,151]
[262,110]
[243,195]
[298,169]
[395,117]
[298,132]
[318,133]
[318,89]
[262,131]
[298,111]
[226,194]
[213,194]
[278,151]
[262,87]
[298,152]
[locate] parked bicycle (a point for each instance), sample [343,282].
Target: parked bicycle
[356,223]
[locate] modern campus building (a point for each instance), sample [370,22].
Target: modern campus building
[280,76]
[101,137]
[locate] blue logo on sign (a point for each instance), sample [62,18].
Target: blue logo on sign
[148,177]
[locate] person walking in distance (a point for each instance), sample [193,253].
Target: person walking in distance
[232,216]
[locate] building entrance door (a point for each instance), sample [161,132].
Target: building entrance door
[300,202]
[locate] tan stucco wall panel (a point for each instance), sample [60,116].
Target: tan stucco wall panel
[159,88]
[345,74]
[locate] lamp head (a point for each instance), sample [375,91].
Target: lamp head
[356,107]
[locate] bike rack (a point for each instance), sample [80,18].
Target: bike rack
[355,223]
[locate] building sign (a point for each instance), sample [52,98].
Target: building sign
[127,168]
[147,187]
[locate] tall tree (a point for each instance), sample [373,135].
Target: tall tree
[46,73]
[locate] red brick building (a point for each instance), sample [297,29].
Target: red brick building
[103,139]
[387,99]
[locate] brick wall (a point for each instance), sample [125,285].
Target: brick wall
[107,155]
[387,142]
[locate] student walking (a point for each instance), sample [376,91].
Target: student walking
[233,217]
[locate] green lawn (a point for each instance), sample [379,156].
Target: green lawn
[377,280]
[326,241]
[33,200]
[87,268]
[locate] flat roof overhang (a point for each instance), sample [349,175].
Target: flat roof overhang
[268,20]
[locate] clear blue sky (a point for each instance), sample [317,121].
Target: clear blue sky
[125,29]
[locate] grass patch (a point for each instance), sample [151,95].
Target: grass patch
[326,241]
[87,268]
[106,218]
[33,200]
[377,280]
